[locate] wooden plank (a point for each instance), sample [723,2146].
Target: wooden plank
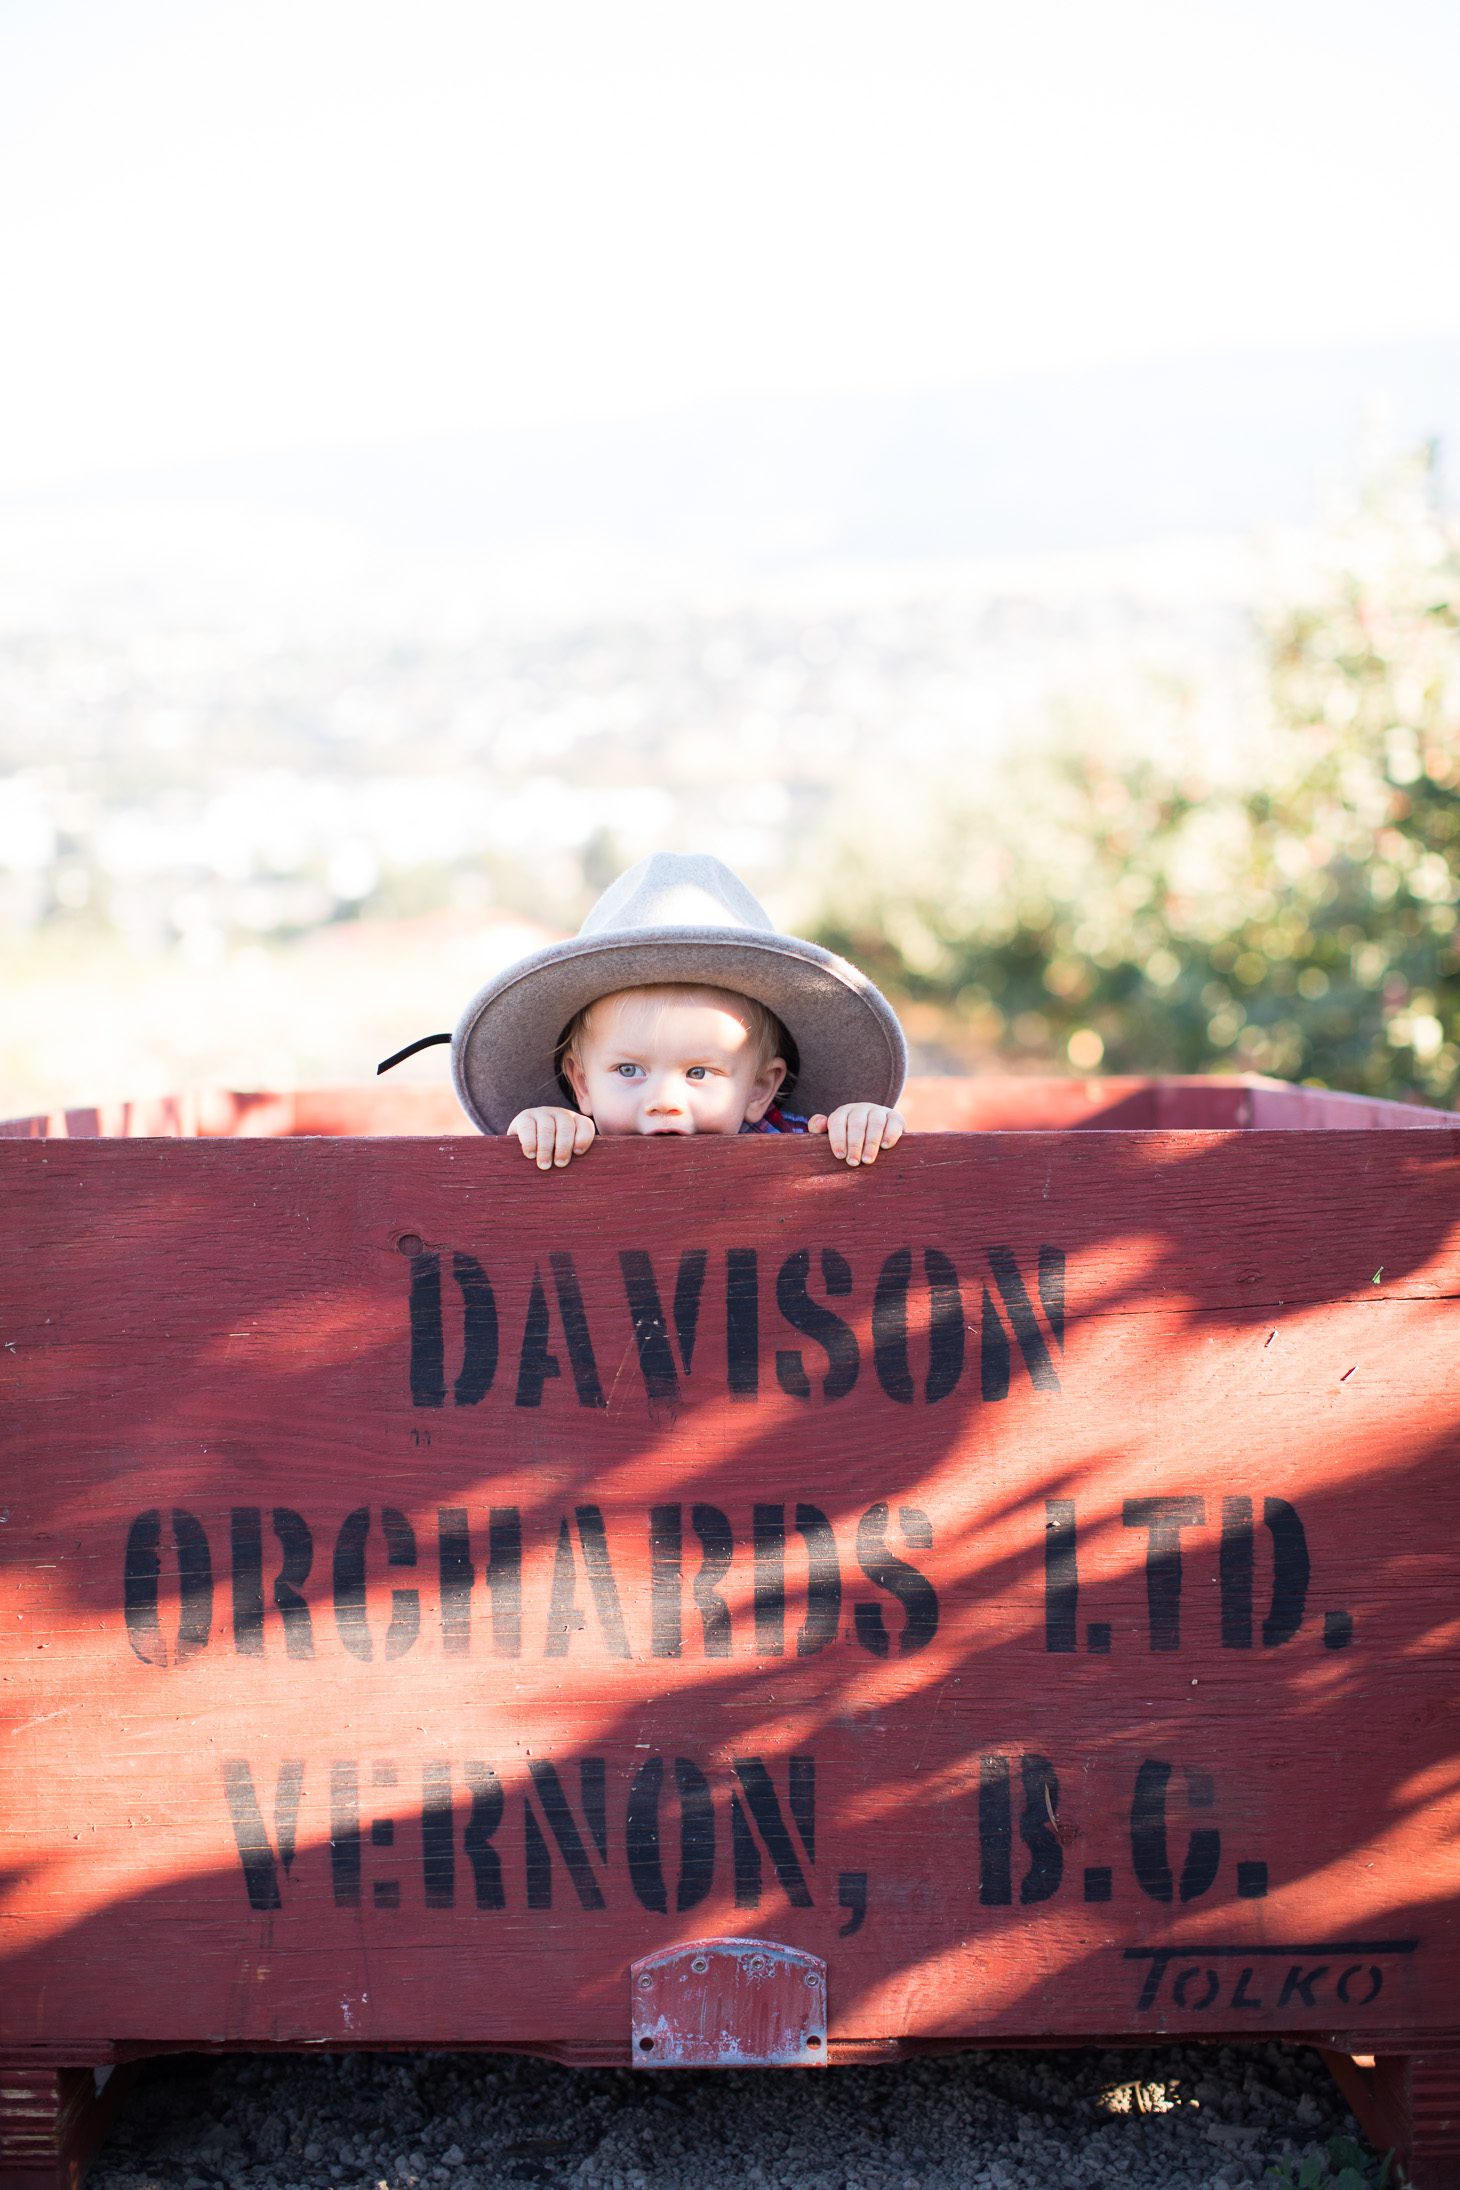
[1023,1576]
[1307,1108]
[1027,1105]
[1408,2103]
[53,2120]
[210,1112]
[931,1104]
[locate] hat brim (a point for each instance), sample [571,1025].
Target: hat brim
[504,1049]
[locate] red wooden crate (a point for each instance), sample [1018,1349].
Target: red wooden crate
[1012,1589]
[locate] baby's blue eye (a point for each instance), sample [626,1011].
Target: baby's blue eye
[626,1072]
[695,1072]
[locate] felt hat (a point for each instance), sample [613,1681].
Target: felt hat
[676,917]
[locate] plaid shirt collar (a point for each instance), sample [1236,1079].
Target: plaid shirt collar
[777,1120]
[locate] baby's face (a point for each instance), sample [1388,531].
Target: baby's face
[657,1064]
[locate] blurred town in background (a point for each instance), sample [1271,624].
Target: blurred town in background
[1164,811]
[1108,712]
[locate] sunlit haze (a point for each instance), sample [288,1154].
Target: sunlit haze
[281,226]
[451,450]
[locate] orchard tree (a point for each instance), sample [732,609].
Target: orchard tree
[1145,918]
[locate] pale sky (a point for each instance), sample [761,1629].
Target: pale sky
[249,225]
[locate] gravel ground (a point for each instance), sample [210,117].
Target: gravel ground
[1181,2118]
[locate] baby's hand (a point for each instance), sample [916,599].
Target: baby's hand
[857,1131]
[550,1136]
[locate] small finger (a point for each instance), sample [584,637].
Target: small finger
[526,1130]
[818,1123]
[856,1130]
[883,1131]
[583,1131]
[565,1138]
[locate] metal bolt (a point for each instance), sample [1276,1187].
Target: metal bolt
[646,1983]
[699,1963]
[810,1978]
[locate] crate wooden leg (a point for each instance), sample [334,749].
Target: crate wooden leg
[1410,2102]
[51,2122]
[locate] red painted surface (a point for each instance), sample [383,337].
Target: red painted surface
[52,2121]
[931,1105]
[1023,1576]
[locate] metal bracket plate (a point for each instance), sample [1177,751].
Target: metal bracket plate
[728,2003]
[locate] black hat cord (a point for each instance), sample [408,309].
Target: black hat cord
[427,1041]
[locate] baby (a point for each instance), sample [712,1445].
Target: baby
[678,1059]
[678,1008]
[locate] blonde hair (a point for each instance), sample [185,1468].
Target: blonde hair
[764,1028]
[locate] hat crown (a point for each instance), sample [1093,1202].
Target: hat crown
[676,890]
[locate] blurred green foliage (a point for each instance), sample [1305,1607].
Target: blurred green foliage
[1154,916]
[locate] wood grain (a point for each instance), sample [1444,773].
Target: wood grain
[1022,1575]
[931,1104]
